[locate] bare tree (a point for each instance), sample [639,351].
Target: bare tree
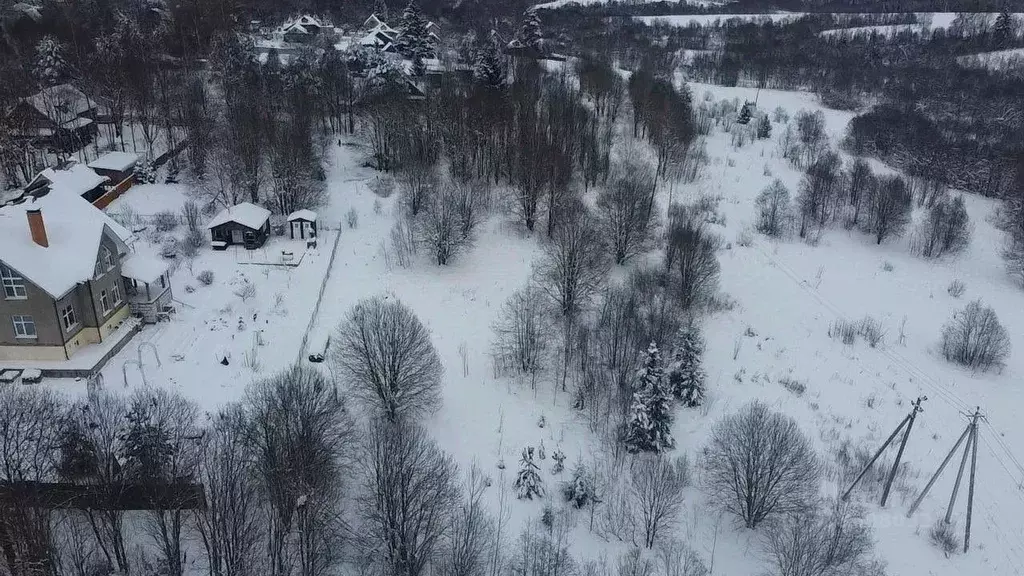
[758,464]
[470,538]
[833,539]
[889,209]
[449,218]
[385,353]
[974,338]
[29,437]
[818,192]
[521,334]
[678,559]
[690,256]
[230,525]
[417,183]
[626,208]
[634,563]
[544,553]
[656,486]
[859,183]
[300,435]
[773,209]
[410,490]
[946,230]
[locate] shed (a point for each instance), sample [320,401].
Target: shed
[302,225]
[245,225]
[117,166]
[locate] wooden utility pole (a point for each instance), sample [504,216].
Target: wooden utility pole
[970,434]
[908,421]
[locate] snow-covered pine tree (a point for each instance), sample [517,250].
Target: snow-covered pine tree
[650,419]
[1002,31]
[50,67]
[764,127]
[489,68]
[413,40]
[579,491]
[528,482]
[529,32]
[685,375]
[746,113]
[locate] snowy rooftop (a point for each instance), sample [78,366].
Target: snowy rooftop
[77,179]
[74,228]
[302,215]
[246,214]
[70,101]
[143,268]
[116,161]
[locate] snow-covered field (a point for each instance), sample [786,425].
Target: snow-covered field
[563,3]
[889,30]
[998,60]
[787,294]
[708,19]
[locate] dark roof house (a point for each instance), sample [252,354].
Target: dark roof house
[245,224]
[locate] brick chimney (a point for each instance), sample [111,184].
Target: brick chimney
[36,227]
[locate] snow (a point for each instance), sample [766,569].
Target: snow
[709,19]
[32,374]
[73,229]
[246,214]
[889,30]
[149,199]
[143,268]
[61,101]
[115,161]
[564,3]
[302,215]
[75,180]
[997,60]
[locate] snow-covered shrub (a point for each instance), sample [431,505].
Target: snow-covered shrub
[579,490]
[844,331]
[559,457]
[165,221]
[521,334]
[745,237]
[956,288]
[831,538]
[190,213]
[773,210]
[780,115]
[871,330]
[188,247]
[352,218]
[946,230]
[974,338]
[797,387]
[690,256]
[246,291]
[686,377]
[145,173]
[759,464]
[447,222]
[764,127]
[403,242]
[195,238]
[528,483]
[205,277]
[943,536]
[679,559]
[888,266]
[851,459]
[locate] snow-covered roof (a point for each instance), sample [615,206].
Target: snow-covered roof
[302,24]
[379,36]
[246,214]
[116,161]
[372,21]
[143,268]
[59,103]
[74,228]
[76,179]
[302,215]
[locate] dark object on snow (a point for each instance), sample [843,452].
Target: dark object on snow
[225,361]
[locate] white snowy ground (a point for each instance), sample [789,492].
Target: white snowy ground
[787,294]
[887,30]
[997,60]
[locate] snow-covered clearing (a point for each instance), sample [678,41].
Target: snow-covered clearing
[998,60]
[787,294]
[888,31]
[563,3]
[709,19]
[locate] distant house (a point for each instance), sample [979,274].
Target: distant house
[245,225]
[116,166]
[302,30]
[59,118]
[302,225]
[377,34]
[62,282]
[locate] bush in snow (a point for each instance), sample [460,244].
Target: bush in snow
[690,257]
[685,375]
[528,482]
[205,277]
[559,457]
[352,218]
[449,218]
[759,464]
[145,173]
[579,491]
[764,127]
[946,230]
[773,211]
[648,427]
[831,538]
[943,537]
[974,338]
[679,559]
[165,221]
[889,207]
[246,291]
[956,288]
[385,353]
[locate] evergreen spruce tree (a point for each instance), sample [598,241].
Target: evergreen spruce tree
[764,127]
[746,113]
[1002,32]
[529,32]
[414,41]
[579,491]
[528,482]
[650,420]
[489,67]
[685,375]
[50,66]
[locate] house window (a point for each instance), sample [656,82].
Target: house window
[115,291]
[24,326]
[14,285]
[67,314]
[108,259]
[104,302]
